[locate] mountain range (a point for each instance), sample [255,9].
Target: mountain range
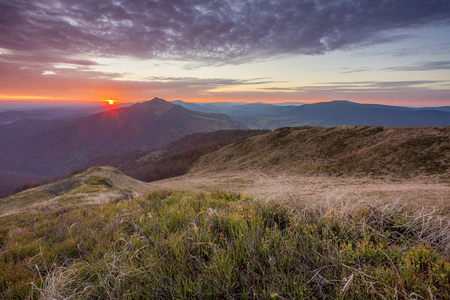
[57,146]
[37,144]
[334,113]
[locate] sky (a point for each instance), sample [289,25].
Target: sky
[394,52]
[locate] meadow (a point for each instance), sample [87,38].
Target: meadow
[209,245]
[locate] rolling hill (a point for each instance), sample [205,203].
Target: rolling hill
[29,127]
[8,117]
[101,234]
[346,150]
[239,109]
[173,159]
[146,125]
[12,113]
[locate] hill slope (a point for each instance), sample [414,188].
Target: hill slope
[145,125]
[173,159]
[91,237]
[342,150]
[94,186]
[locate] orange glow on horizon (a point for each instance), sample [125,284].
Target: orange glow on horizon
[15,97]
[112,103]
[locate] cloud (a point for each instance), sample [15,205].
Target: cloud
[209,31]
[361,86]
[364,69]
[81,83]
[423,66]
[440,49]
[390,93]
[278,89]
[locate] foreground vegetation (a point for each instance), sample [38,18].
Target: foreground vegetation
[222,245]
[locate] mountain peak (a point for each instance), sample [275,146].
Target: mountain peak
[156,99]
[342,101]
[156,102]
[156,106]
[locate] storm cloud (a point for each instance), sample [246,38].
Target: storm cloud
[214,31]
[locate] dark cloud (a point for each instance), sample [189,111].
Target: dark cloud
[423,66]
[215,31]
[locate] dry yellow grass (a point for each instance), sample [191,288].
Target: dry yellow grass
[39,199]
[295,190]
[401,152]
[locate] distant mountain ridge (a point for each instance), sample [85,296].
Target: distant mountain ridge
[146,125]
[334,113]
[8,117]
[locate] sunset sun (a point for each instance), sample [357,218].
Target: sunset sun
[110,102]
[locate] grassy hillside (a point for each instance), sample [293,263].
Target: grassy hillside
[103,235]
[220,245]
[93,186]
[346,150]
[174,159]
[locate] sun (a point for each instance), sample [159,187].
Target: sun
[110,102]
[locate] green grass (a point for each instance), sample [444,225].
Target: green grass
[221,245]
[100,181]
